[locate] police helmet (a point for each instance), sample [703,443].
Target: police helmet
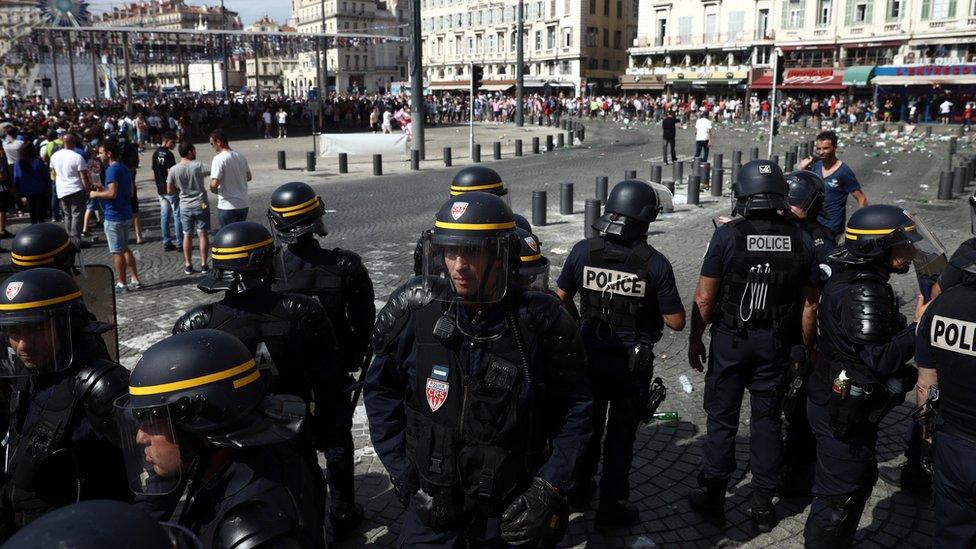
[471,246]
[965,262]
[295,211]
[40,310]
[533,270]
[873,231]
[522,223]
[198,388]
[631,206]
[43,245]
[806,192]
[478,178]
[972,213]
[241,254]
[760,187]
[97,524]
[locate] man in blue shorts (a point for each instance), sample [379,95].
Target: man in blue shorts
[839,181]
[116,195]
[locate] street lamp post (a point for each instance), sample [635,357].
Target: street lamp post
[519,65]
[417,81]
[223,45]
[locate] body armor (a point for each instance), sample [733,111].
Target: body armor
[952,339]
[615,284]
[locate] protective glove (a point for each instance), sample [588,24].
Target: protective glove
[440,514]
[539,516]
[406,486]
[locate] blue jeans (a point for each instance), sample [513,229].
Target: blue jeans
[226,217]
[169,208]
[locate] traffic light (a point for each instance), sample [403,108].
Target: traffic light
[477,76]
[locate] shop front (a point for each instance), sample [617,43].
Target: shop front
[804,83]
[708,84]
[925,87]
[637,84]
[857,80]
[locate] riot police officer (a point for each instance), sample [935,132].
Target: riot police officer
[289,335]
[474,379]
[627,296]
[197,422]
[341,283]
[860,374]
[953,275]
[947,383]
[533,270]
[61,438]
[43,245]
[748,293]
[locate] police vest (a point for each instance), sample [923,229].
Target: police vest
[615,284]
[952,337]
[472,438]
[323,282]
[767,270]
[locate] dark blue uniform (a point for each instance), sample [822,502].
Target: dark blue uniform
[752,354]
[462,417]
[945,342]
[616,390]
[953,275]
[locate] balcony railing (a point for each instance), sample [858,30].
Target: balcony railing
[892,27]
[704,39]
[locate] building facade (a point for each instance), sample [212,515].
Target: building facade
[265,66]
[17,18]
[569,46]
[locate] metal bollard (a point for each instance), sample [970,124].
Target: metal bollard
[540,120]
[678,173]
[414,159]
[803,121]
[737,158]
[734,173]
[281,160]
[959,180]
[476,153]
[949,162]
[692,191]
[566,198]
[656,173]
[531,119]
[753,154]
[535,145]
[718,159]
[549,146]
[448,161]
[496,152]
[717,175]
[705,173]
[601,188]
[582,133]
[538,208]
[343,163]
[945,186]
[928,131]
[669,208]
[570,138]
[775,159]
[630,174]
[591,212]
[953,142]
[518,147]
[310,161]
[377,164]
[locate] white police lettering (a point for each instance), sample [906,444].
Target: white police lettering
[768,243]
[263,360]
[615,282]
[953,335]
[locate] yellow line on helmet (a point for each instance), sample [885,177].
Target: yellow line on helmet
[528,258]
[41,303]
[300,212]
[53,252]
[198,381]
[474,226]
[314,201]
[241,248]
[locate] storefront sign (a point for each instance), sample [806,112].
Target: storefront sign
[926,70]
[809,77]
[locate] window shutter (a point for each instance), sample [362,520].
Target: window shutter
[952,8]
[849,13]
[926,9]
[786,14]
[868,11]
[803,13]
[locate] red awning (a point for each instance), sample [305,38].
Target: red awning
[763,82]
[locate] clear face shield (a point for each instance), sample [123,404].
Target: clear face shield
[930,257]
[36,343]
[466,270]
[972,214]
[153,459]
[536,278]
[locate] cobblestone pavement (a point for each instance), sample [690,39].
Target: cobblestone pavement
[381,217]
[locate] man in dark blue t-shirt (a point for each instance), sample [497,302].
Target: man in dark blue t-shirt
[839,181]
[116,196]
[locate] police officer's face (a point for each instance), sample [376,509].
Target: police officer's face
[161,450]
[35,344]
[467,267]
[901,256]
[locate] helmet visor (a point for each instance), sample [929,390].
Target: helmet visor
[36,343]
[802,198]
[930,257]
[153,460]
[536,278]
[475,269]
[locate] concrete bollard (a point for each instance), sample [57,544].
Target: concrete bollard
[591,212]
[343,163]
[705,173]
[678,173]
[928,131]
[692,191]
[753,154]
[549,147]
[717,175]
[718,159]
[570,138]
[775,159]
[959,180]
[496,150]
[377,164]
[656,173]
[538,208]
[945,186]
[601,188]
[414,159]
[281,160]
[953,143]
[448,161]
[566,198]
[535,145]
[476,153]
[630,174]
[310,161]
[518,147]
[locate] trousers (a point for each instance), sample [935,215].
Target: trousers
[954,492]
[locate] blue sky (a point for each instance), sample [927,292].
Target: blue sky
[250,10]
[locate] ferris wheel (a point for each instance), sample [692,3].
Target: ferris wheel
[65,13]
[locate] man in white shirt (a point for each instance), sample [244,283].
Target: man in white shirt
[72,184]
[229,174]
[387,121]
[703,136]
[945,111]
[282,123]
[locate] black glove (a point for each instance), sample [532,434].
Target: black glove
[539,516]
[406,486]
[440,514]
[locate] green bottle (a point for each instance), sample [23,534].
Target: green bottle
[666,416]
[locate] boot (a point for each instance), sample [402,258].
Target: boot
[615,514]
[345,518]
[709,502]
[763,512]
[910,477]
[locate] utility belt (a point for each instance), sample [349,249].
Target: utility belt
[640,363]
[853,406]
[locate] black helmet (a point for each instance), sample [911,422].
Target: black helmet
[631,206]
[38,309]
[200,387]
[806,192]
[533,270]
[242,254]
[760,187]
[97,524]
[522,223]
[972,213]
[873,231]
[471,245]
[43,245]
[295,211]
[478,178]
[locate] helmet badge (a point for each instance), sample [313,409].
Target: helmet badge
[458,209]
[532,243]
[765,169]
[13,289]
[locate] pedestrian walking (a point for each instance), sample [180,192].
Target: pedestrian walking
[839,181]
[229,175]
[668,133]
[116,194]
[169,202]
[703,135]
[72,184]
[282,117]
[32,182]
[945,111]
[186,178]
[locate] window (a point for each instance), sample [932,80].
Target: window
[512,38]
[552,8]
[606,8]
[592,64]
[593,7]
[616,39]
[491,43]
[684,30]
[711,27]
[538,40]
[735,24]
[568,37]
[478,43]
[620,8]
[567,7]
[550,38]
[793,13]
[895,9]
[592,35]
[500,40]
[606,38]
[565,67]
[823,13]
[860,12]
[470,45]
[938,9]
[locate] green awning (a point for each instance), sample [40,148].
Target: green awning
[858,75]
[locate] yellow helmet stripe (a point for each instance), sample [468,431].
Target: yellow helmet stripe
[528,258]
[52,253]
[16,261]
[241,248]
[41,303]
[870,231]
[474,226]
[300,212]
[253,376]
[201,380]
[456,190]
[228,256]
[314,200]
